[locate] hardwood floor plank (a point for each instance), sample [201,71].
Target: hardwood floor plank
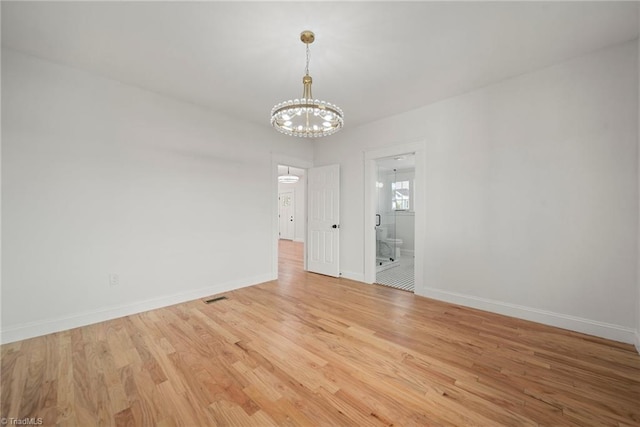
[310,350]
[10,380]
[146,403]
[125,418]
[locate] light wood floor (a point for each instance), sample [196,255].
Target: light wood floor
[312,350]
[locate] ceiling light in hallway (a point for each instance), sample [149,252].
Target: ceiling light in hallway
[288,178]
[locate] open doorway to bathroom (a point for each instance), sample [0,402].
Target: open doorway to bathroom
[395,222]
[292,185]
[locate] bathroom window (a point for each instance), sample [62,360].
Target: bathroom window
[400,196]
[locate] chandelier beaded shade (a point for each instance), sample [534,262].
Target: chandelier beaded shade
[307,117]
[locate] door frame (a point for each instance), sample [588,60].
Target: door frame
[295,162]
[417,148]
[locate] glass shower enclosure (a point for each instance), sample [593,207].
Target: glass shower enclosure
[387,250]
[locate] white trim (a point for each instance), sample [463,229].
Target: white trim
[358,277]
[564,321]
[34,329]
[637,343]
[299,239]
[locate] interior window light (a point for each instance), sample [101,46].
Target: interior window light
[400,199]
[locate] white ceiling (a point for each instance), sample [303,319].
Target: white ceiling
[373,59]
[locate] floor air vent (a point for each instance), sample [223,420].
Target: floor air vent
[216,299]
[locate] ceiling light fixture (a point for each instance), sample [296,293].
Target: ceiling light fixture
[288,178]
[307,117]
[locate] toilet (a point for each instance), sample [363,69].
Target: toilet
[382,236]
[397,243]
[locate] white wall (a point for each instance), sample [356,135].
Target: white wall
[99,177]
[531,191]
[637,338]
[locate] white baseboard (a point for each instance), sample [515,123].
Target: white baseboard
[564,321]
[43,327]
[358,277]
[637,343]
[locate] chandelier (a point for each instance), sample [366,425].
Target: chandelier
[307,117]
[288,178]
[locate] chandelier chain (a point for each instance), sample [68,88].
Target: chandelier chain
[306,70]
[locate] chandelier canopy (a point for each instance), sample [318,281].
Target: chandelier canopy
[307,117]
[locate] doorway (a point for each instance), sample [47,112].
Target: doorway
[317,211]
[395,222]
[291,195]
[377,243]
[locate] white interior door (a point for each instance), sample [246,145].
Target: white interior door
[286,209]
[324,220]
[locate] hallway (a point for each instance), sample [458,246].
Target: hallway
[290,257]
